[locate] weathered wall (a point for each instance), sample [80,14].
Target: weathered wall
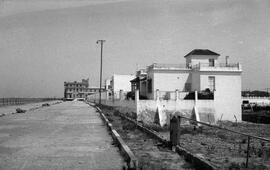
[151,110]
[124,106]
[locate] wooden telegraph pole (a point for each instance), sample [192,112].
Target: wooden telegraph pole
[100,80]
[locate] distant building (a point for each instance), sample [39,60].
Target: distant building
[140,82]
[73,90]
[107,84]
[119,82]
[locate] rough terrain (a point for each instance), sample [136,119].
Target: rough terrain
[150,153]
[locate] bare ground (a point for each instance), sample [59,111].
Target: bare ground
[151,153]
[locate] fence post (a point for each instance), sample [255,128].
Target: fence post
[176,94]
[196,97]
[137,96]
[107,95]
[157,94]
[121,94]
[247,152]
[174,131]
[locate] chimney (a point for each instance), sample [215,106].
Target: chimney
[227,60]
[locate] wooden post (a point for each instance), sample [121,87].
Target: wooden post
[157,94]
[176,94]
[174,131]
[121,94]
[137,96]
[196,97]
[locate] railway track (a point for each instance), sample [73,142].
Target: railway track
[150,152]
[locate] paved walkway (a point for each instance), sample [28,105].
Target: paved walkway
[69,135]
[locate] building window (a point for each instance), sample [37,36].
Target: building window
[149,85]
[211,82]
[211,62]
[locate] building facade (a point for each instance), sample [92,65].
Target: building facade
[203,70]
[73,90]
[119,83]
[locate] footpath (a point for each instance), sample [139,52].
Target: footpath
[69,135]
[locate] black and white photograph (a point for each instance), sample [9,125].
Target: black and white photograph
[134,85]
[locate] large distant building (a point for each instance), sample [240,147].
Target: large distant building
[73,90]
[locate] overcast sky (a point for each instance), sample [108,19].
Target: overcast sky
[46,42]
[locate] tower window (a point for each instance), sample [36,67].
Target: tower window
[211,62]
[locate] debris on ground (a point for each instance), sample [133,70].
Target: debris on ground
[45,104]
[19,110]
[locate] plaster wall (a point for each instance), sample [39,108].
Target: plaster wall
[149,109]
[227,95]
[122,82]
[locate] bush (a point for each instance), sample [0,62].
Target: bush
[203,95]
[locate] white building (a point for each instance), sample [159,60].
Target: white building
[120,82]
[202,70]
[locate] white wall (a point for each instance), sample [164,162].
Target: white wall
[170,80]
[196,59]
[122,82]
[227,95]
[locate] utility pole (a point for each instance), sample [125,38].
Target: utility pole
[100,80]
